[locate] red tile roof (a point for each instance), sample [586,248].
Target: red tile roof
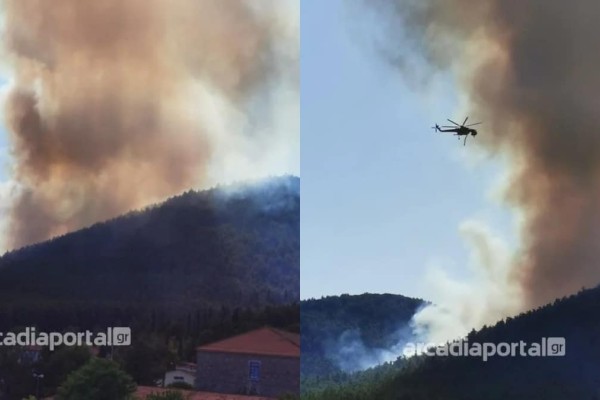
[143,391]
[264,341]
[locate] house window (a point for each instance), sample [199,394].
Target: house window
[254,371]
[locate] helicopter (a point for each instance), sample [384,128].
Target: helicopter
[458,129]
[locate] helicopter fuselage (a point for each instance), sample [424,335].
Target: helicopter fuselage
[462,131]
[458,129]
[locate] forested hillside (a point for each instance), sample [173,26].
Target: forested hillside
[573,376]
[344,333]
[229,246]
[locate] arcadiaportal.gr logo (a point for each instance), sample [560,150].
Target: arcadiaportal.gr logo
[113,336]
[545,347]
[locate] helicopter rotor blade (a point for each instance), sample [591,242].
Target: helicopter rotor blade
[465,121]
[477,123]
[454,122]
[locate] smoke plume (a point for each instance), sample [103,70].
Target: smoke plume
[458,306]
[350,353]
[529,70]
[117,104]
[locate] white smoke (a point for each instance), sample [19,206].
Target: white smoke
[460,306]
[350,353]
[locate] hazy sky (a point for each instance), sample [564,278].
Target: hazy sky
[184,120]
[3,138]
[382,194]
[3,154]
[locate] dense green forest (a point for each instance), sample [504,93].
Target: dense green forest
[197,268]
[358,325]
[573,376]
[231,246]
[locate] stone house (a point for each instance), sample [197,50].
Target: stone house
[263,362]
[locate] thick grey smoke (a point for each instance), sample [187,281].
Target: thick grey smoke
[529,69]
[116,104]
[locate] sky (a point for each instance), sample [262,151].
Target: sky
[5,185]
[3,154]
[4,150]
[383,195]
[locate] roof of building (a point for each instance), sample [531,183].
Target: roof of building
[264,341]
[144,391]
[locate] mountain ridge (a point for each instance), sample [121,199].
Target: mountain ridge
[346,333]
[574,375]
[235,245]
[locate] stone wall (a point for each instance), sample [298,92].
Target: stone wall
[230,373]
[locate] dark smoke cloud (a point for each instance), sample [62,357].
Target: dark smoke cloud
[530,71]
[105,113]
